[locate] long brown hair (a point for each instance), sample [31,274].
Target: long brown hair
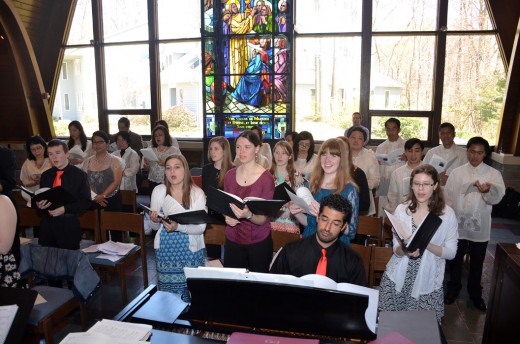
[227,163]
[290,164]
[343,174]
[187,184]
[436,202]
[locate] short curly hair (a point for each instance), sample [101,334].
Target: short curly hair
[338,203]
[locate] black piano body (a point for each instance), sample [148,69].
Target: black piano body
[226,306]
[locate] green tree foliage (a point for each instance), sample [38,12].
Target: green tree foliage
[180,118]
[410,128]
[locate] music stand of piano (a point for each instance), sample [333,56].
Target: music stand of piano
[229,305]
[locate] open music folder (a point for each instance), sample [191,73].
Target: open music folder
[195,217]
[422,235]
[58,196]
[219,201]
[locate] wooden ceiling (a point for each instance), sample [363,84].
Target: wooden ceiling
[45,24]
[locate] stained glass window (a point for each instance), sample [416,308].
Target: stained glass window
[246,53]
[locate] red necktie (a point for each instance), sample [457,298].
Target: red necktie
[57,179]
[322,264]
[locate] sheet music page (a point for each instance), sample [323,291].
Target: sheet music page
[394,157]
[7,314]
[122,330]
[400,227]
[243,275]
[116,248]
[299,201]
[391,158]
[91,249]
[448,165]
[149,154]
[438,163]
[111,257]
[406,185]
[98,338]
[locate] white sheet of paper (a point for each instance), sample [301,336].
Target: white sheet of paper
[298,201]
[91,249]
[394,157]
[406,185]
[121,330]
[111,257]
[7,315]
[438,163]
[149,154]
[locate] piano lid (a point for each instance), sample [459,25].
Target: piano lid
[279,306]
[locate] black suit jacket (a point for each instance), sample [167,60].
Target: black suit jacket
[75,181]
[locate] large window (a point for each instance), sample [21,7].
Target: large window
[217,67]
[247,67]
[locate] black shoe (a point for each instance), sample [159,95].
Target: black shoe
[479,304]
[450,297]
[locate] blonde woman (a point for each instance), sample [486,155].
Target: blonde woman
[331,175]
[219,157]
[177,246]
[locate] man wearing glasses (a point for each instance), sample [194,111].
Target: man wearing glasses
[471,190]
[323,253]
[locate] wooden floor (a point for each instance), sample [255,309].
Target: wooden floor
[462,324]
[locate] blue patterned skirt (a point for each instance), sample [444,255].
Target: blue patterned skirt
[172,256]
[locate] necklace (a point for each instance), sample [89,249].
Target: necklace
[100,162]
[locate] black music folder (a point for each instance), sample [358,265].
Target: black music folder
[58,196]
[422,235]
[195,217]
[280,192]
[219,201]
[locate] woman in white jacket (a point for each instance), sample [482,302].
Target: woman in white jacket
[413,280]
[177,246]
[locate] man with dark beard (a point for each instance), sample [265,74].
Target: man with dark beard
[323,253]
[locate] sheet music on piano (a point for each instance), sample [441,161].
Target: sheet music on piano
[7,314]
[315,281]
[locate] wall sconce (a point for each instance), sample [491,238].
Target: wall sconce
[46,96]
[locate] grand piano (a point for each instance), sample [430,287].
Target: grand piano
[267,304]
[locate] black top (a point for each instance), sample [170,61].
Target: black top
[75,181]
[7,171]
[364,192]
[301,257]
[209,177]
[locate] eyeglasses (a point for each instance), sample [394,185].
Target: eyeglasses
[334,223]
[422,185]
